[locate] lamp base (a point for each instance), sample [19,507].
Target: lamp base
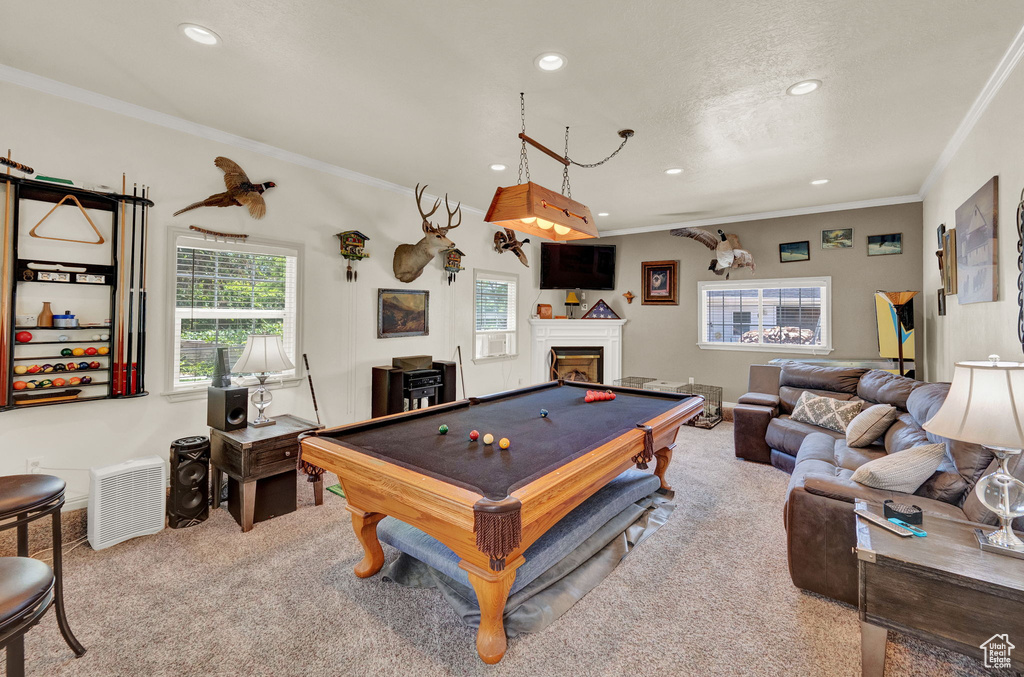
[263,424]
[989,546]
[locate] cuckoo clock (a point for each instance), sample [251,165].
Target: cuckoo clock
[453,263]
[352,243]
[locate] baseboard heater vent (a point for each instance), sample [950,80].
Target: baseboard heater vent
[126,500]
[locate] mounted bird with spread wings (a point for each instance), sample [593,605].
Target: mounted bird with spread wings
[507,242]
[728,255]
[241,192]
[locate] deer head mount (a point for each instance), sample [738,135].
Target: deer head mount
[410,259]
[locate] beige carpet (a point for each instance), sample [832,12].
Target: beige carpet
[709,594]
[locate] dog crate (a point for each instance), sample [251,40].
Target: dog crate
[709,418]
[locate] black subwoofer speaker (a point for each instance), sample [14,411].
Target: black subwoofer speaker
[227,408]
[189,501]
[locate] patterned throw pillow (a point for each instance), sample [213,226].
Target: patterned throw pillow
[903,471]
[825,412]
[869,425]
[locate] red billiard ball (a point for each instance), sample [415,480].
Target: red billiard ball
[474,435]
[588,399]
[23,336]
[94,365]
[90,351]
[34,369]
[20,385]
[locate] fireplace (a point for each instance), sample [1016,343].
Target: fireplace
[578,363]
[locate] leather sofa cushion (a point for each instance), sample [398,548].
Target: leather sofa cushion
[759,399]
[905,433]
[811,377]
[851,458]
[787,435]
[883,387]
[842,488]
[970,460]
[789,396]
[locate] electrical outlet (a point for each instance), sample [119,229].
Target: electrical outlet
[33,465]
[583,296]
[585,306]
[691,380]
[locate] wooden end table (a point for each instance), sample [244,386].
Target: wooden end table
[942,588]
[252,454]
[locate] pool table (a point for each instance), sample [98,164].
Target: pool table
[486,504]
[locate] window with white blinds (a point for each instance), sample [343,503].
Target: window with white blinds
[224,292]
[494,314]
[782,315]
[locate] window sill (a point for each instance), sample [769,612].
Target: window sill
[198,392]
[768,348]
[494,358]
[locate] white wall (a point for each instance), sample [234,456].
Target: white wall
[995,147]
[338,323]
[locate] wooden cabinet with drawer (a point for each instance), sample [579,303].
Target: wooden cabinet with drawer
[255,458]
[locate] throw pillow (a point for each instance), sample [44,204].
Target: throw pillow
[902,471]
[869,425]
[825,412]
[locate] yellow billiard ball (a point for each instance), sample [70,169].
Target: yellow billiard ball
[488,438]
[503,443]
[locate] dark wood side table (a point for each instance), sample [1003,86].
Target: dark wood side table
[942,588]
[253,454]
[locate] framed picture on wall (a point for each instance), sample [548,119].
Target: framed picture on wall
[402,312]
[977,244]
[949,281]
[661,283]
[837,238]
[883,245]
[795,251]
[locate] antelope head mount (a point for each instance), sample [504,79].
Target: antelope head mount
[410,259]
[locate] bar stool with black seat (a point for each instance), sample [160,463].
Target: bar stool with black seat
[23,499]
[26,592]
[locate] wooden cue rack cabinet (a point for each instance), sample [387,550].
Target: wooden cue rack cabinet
[122,275]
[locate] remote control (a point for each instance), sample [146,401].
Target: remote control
[884,523]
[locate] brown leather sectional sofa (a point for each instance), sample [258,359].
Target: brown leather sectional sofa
[819,506]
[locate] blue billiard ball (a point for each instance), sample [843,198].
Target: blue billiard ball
[543,413]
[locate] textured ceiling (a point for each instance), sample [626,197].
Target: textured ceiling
[427,91]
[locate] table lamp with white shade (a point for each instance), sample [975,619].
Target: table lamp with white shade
[985,405]
[264,354]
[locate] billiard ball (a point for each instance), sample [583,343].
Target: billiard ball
[474,435]
[83,365]
[74,380]
[488,438]
[104,337]
[59,383]
[589,398]
[46,368]
[103,351]
[94,365]
[45,383]
[23,336]
[90,351]
[86,380]
[31,385]
[72,366]
[78,352]
[97,337]
[21,369]
[59,367]
[34,369]
[442,429]
[543,413]
[503,443]
[66,352]
[20,385]
[62,338]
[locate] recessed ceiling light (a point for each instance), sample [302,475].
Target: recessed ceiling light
[602,213]
[803,87]
[498,167]
[673,170]
[819,182]
[200,34]
[551,61]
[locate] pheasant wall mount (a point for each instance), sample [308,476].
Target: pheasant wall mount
[507,242]
[241,192]
[728,255]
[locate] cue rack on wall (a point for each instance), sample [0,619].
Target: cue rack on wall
[105,275]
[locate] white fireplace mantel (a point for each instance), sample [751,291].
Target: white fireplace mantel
[547,334]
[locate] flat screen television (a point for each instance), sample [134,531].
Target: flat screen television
[577,266]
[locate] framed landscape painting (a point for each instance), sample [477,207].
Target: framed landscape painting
[837,238]
[402,312]
[883,245]
[795,251]
[976,245]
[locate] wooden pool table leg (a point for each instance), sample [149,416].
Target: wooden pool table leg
[365,525]
[664,457]
[491,594]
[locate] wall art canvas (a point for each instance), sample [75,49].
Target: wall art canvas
[976,245]
[894,327]
[883,245]
[661,283]
[402,312]
[795,251]
[837,238]
[949,262]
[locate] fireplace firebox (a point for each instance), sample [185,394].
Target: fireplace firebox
[578,363]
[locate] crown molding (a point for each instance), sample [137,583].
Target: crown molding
[739,218]
[995,82]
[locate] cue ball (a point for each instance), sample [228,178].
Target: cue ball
[503,443]
[62,338]
[474,435]
[488,438]
[443,429]
[543,413]
[104,337]
[97,337]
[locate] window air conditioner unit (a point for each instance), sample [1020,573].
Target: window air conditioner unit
[497,345]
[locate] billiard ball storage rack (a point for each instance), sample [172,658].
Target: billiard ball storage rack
[122,277]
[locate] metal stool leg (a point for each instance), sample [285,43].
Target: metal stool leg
[58,588]
[16,657]
[22,532]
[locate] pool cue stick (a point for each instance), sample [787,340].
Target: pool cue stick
[312,392]
[130,378]
[119,362]
[462,372]
[5,283]
[141,352]
[11,164]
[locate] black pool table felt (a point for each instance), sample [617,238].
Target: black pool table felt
[538,445]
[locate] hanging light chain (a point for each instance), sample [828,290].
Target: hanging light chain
[524,161]
[626,135]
